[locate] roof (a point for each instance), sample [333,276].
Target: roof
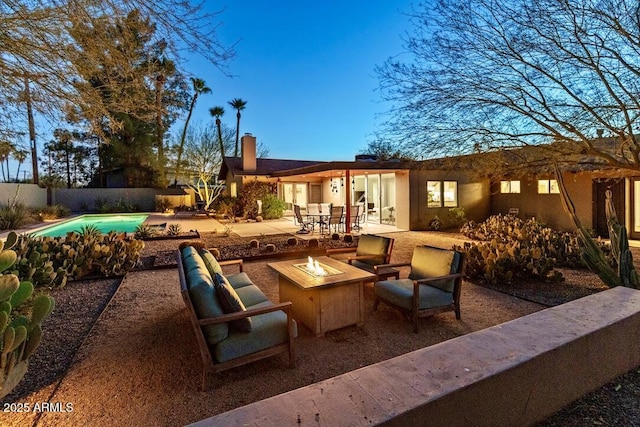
[279,167]
[264,167]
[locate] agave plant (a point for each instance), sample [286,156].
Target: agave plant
[144,231]
[90,230]
[21,333]
[174,229]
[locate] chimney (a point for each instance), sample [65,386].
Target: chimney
[248,144]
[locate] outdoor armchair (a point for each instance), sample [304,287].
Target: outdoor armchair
[372,250]
[433,285]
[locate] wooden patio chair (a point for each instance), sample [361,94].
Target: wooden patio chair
[433,285]
[371,251]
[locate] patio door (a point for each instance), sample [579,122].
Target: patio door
[373,198]
[294,193]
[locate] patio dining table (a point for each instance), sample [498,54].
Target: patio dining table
[318,218]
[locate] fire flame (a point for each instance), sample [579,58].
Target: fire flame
[314,267]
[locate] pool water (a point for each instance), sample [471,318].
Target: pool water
[104,223]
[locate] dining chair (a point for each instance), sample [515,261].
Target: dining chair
[304,224]
[336,219]
[354,217]
[313,214]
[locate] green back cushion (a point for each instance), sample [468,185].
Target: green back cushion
[205,303]
[428,262]
[372,245]
[230,302]
[210,262]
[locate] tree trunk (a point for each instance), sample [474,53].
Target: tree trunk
[160,130]
[32,132]
[184,135]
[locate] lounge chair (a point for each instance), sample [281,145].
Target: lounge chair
[433,285]
[371,251]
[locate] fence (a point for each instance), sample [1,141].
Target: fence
[88,199]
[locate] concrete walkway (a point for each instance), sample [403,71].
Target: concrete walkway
[205,224]
[283,225]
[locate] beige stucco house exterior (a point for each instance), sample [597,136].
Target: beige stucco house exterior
[410,194]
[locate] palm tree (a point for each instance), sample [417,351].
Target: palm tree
[239,105]
[199,86]
[218,112]
[6,149]
[20,156]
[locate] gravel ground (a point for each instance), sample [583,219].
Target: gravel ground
[104,379]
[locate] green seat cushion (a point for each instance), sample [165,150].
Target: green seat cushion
[251,295]
[211,262]
[205,303]
[268,330]
[231,303]
[400,293]
[369,244]
[239,280]
[428,262]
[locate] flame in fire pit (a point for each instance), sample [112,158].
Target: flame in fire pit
[315,268]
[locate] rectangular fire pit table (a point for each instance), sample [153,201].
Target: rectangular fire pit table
[323,303]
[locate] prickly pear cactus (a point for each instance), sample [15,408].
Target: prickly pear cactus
[20,334]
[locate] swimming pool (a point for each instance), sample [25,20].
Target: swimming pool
[120,223]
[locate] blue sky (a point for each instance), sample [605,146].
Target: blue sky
[306,70]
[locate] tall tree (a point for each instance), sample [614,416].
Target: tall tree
[36,42]
[32,130]
[6,148]
[203,161]
[124,76]
[482,75]
[20,156]
[218,112]
[199,87]
[239,105]
[71,157]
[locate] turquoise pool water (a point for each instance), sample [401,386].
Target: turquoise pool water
[105,223]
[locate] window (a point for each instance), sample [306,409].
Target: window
[548,186]
[509,186]
[442,193]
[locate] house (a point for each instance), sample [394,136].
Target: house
[410,194]
[393,192]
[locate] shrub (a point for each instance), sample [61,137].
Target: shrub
[51,261]
[51,212]
[513,248]
[272,207]
[435,224]
[145,231]
[118,206]
[13,216]
[174,229]
[247,202]
[456,218]
[225,205]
